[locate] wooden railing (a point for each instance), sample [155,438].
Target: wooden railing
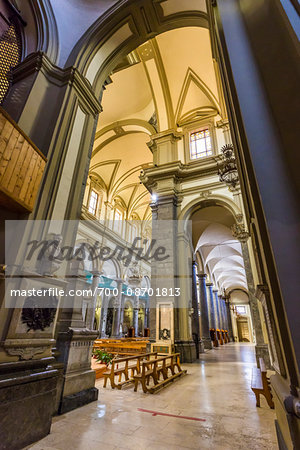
[21,166]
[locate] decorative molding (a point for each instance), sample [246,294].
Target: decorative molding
[39,62]
[25,353]
[47,31]
[198,113]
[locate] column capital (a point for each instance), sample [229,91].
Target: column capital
[239,232]
[201,276]
[96,273]
[209,283]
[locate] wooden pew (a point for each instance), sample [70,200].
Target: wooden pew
[213,336]
[219,337]
[154,369]
[124,369]
[227,337]
[260,384]
[124,347]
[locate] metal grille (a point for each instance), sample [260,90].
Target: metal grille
[9,58]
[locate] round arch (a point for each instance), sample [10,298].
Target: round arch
[122,29]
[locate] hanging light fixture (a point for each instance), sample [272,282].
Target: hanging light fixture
[228,170]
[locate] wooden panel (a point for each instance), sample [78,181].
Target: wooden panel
[21,166]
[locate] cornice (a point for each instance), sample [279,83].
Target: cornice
[181,171]
[39,62]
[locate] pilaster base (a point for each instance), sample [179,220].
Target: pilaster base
[27,398]
[262,351]
[78,399]
[74,348]
[187,351]
[207,343]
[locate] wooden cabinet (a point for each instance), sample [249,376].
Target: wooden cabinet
[21,166]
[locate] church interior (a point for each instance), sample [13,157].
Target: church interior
[149,224]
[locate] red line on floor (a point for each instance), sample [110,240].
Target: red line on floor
[156,413]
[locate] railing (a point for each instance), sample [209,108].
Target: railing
[21,166]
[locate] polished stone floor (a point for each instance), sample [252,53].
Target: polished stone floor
[216,389]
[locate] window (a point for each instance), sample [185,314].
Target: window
[240,310]
[200,144]
[93,202]
[118,221]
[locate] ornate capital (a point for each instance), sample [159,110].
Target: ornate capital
[239,232]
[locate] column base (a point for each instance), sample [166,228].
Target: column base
[78,399]
[262,351]
[201,346]
[27,398]
[207,343]
[187,351]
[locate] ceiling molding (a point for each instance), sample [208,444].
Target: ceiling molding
[212,108]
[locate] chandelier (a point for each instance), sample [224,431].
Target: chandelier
[227,170]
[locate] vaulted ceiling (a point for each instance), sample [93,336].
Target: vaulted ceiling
[221,254]
[167,82]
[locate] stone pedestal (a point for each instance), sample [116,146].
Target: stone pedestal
[75,347]
[27,401]
[187,351]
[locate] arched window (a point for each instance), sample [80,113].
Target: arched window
[10,56]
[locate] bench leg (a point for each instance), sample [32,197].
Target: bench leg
[144,386]
[268,397]
[135,385]
[257,399]
[105,382]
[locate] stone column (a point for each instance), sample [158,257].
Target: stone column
[122,312]
[147,309]
[224,313]
[221,312]
[261,348]
[205,335]
[212,311]
[213,319]
[136,315]
[117,311]
[230,329]
[195,315]
[90,317]
[218,320]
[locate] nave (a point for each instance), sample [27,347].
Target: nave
[217,389]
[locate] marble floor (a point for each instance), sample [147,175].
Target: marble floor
[216,389]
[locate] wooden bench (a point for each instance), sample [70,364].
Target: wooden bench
[154,369]
[260,384]
[124,369]
[213,337]
[124,346]
[220,337]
